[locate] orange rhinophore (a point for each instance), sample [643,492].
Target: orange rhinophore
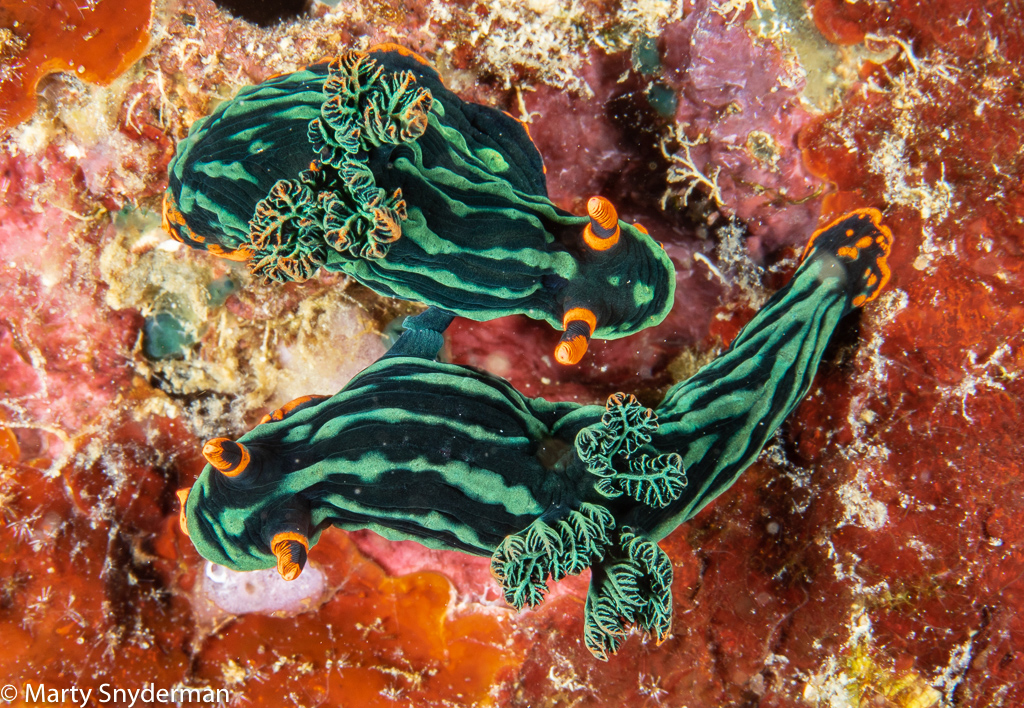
[226,456]
[290,550]
[603,230]
[579,324]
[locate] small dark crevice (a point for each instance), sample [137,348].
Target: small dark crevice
[264,12]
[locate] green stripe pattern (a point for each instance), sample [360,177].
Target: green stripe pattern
[370,166]
[232,158]
[457,458]
[707,430]
[411,448]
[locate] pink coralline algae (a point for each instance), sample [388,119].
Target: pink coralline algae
[62,359]
[870,557]
[738,116]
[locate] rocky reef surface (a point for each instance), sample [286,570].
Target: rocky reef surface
[873,556]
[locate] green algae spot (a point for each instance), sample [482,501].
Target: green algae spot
[164,336]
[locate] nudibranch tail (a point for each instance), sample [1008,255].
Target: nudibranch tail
[603,230]
[290,549]
[226,456]
[719,419]
[863,243]
[423,334]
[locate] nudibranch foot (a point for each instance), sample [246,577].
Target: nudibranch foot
[550,547]
[423,335]
[633,585]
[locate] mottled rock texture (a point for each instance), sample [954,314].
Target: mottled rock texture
[872,557]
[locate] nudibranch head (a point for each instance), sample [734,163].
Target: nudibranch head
[367,164]
[242,522]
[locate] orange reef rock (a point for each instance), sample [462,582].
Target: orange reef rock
[96,40]
[873,556]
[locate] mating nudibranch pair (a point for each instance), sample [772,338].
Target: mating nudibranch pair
[367,164]
[457,458]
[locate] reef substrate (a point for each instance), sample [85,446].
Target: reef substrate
[870,557]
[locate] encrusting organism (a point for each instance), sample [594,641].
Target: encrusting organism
[367,164]
[457,458]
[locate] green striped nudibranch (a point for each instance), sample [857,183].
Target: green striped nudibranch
[367,164]
[457,458]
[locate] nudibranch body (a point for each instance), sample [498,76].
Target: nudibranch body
[456,458]
[720,418]
[466,470]
[369,165]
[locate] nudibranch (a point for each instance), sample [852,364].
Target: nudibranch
[457,458]
[368,165]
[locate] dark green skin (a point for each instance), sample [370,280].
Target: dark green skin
[463,183]
[411,448]
[456,458]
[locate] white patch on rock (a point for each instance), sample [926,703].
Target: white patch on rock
[859,508]
[262,591]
